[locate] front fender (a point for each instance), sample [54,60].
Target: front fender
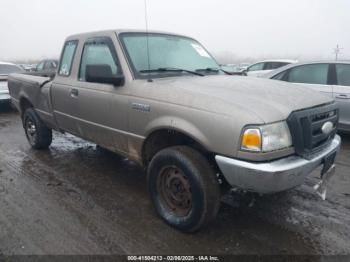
[180,125]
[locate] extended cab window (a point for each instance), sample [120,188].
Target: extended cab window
[343,74]
[309,74]
[67,58]
[97,53]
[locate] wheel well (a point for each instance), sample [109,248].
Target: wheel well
[164,138]
[24,104]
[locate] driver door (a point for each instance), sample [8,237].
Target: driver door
[101,108]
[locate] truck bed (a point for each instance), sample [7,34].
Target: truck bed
[28,86]
[35,90]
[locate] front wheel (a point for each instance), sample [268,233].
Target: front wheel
[38,134]
[184,188]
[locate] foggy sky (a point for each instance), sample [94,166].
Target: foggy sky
[245,28]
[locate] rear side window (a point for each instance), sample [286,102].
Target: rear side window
[67,58]
[309,74]
[256,67]
[97,53]
[343,74]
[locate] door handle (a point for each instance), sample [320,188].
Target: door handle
[343,96]
[74,93]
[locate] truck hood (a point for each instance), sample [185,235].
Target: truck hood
[268,100]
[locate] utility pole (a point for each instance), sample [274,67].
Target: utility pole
[337,51]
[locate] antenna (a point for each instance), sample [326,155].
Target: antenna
[147,38]
[337,51]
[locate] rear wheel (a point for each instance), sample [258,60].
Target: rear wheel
[38,134]
[184,188]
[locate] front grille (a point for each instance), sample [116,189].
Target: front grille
[306,128]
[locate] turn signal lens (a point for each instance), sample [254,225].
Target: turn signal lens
[267,138]
[251,140]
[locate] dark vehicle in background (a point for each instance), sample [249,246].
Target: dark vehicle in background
[28,67]
[46,68]
[5,70]
[329,77]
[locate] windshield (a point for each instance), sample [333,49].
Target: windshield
[9,69]
[166,51]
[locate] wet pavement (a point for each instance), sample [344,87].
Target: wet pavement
[76,198]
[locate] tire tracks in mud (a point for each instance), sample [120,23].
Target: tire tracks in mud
[111,235]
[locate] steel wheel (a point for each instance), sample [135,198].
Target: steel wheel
[31,131]
[184,188]
[38,134]
[175,191]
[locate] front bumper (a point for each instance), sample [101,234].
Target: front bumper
[274,176]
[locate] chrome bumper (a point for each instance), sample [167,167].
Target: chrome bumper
[275,176]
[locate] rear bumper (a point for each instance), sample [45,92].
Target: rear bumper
[4,96]
[274,176]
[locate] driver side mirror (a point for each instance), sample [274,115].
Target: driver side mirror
[103,74]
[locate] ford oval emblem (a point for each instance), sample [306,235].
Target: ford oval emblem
[327,128]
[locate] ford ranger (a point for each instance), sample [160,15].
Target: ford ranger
[161,100]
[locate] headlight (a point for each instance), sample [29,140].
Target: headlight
[266,138]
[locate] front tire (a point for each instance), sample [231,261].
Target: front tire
[184,188]
[38,134]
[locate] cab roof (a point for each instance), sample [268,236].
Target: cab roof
[117,32]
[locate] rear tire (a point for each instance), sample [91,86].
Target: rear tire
[184,188]
[38,134]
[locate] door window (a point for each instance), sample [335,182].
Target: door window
[97,53]
[256,67]
[343,74]
[309,74]
[67,58]
[274,65]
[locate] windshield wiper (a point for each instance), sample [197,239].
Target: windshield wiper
[212,69]
[170,69]
[208,69]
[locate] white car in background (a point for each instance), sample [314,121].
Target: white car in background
[5,70]
[332,78]
[264,67]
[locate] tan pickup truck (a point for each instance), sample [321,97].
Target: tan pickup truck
[161,100]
